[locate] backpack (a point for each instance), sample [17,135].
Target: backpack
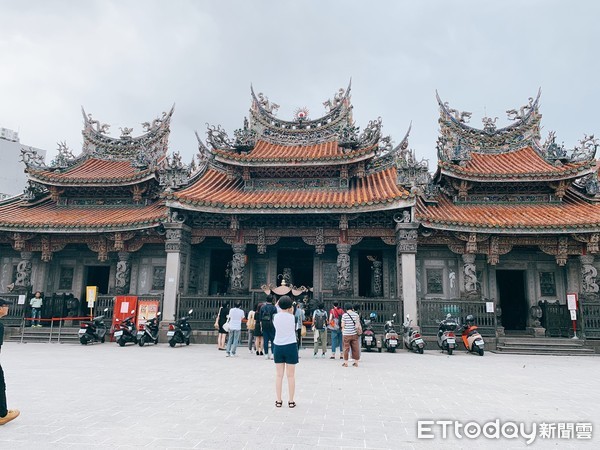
[320,317]
[336,320]
[266,320]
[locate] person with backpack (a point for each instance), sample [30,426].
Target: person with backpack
[320,330]
[299,317]
[335,327]
[267,313]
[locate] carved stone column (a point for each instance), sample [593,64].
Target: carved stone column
[589,287]
[123,274]
[237,274]
[470,273]
[344,278]
[406,249]
[377,280]
[23,281]
[177,247]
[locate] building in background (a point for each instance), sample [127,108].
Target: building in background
[12,177]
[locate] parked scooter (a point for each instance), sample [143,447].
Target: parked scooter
[471,337]
[180,331]
[369,340]
[412,337]
[446,337]
[93,330]
[126,331]
[148,332]
[390,340]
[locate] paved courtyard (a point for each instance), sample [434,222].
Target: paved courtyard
[104,396]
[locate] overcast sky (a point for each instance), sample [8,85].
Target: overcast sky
[127,61]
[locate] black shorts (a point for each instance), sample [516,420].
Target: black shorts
[285,353]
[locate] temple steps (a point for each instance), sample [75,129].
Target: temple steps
[542,346]
[68,335]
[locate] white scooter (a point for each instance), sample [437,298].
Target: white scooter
[446,336]
[413,340]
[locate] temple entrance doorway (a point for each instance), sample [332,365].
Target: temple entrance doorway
[513,301]
[295,264]
[370,278]
[219,263]
[97,276]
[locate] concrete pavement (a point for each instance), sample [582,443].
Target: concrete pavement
[104,396]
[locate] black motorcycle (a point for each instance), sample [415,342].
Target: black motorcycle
[93,330]
[369,340]
[180,331]
[125,331]
[148,332]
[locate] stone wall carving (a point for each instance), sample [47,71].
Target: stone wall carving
[237,271]
[470,273]
[23,280]
[344,279]
[588,275]
[123,273]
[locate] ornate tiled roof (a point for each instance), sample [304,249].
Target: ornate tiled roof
[266,139]
[572,214]
[514,151]
[18,215]
[216,192]
[93,172]
[105,160]
[524,164]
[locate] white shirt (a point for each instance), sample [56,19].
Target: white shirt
[285,328]
[350,320]
[235,318]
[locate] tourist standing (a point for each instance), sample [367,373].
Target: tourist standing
[258,336]
[319,327]
[335,327]
[267,313]
[236,314]
[300,317]
[221,319]
[251,325]
[36,303]
[6,415]
[285,350]
[350,323]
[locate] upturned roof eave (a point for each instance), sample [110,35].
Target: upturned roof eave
[503,178]
[513,229]
[383,206]
[109,182]
[21,228]
[269,162]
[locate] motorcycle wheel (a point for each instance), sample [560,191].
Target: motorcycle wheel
[172,342]
[187,341]
[480,351]
[155,341]
[83,340]
[450,350]
[103,339]
[142,341]
[393,350]
[379,349]
[421,350]
[121,342]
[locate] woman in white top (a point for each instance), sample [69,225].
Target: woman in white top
[285,349]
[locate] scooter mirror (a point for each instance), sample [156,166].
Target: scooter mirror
[133,311]
[448,315]
[394,315]
[158,314]
[105,309]
[408,316]
[190,311]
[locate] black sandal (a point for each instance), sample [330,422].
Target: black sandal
[278,404]
[292,404]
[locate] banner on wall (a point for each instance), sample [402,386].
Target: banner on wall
[146,310]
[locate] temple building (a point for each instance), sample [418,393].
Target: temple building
[318,208]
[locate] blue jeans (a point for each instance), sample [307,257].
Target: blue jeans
[36,313]
[268,336]
[336,340]
[233,341]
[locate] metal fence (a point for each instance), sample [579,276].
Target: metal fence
[205,308]
[16,312]
[431,311]
[385,308]
[590,319]
[556,319]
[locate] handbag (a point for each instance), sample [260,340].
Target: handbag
[303,331]
[226,325]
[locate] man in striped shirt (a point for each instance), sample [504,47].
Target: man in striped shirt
[350,322]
